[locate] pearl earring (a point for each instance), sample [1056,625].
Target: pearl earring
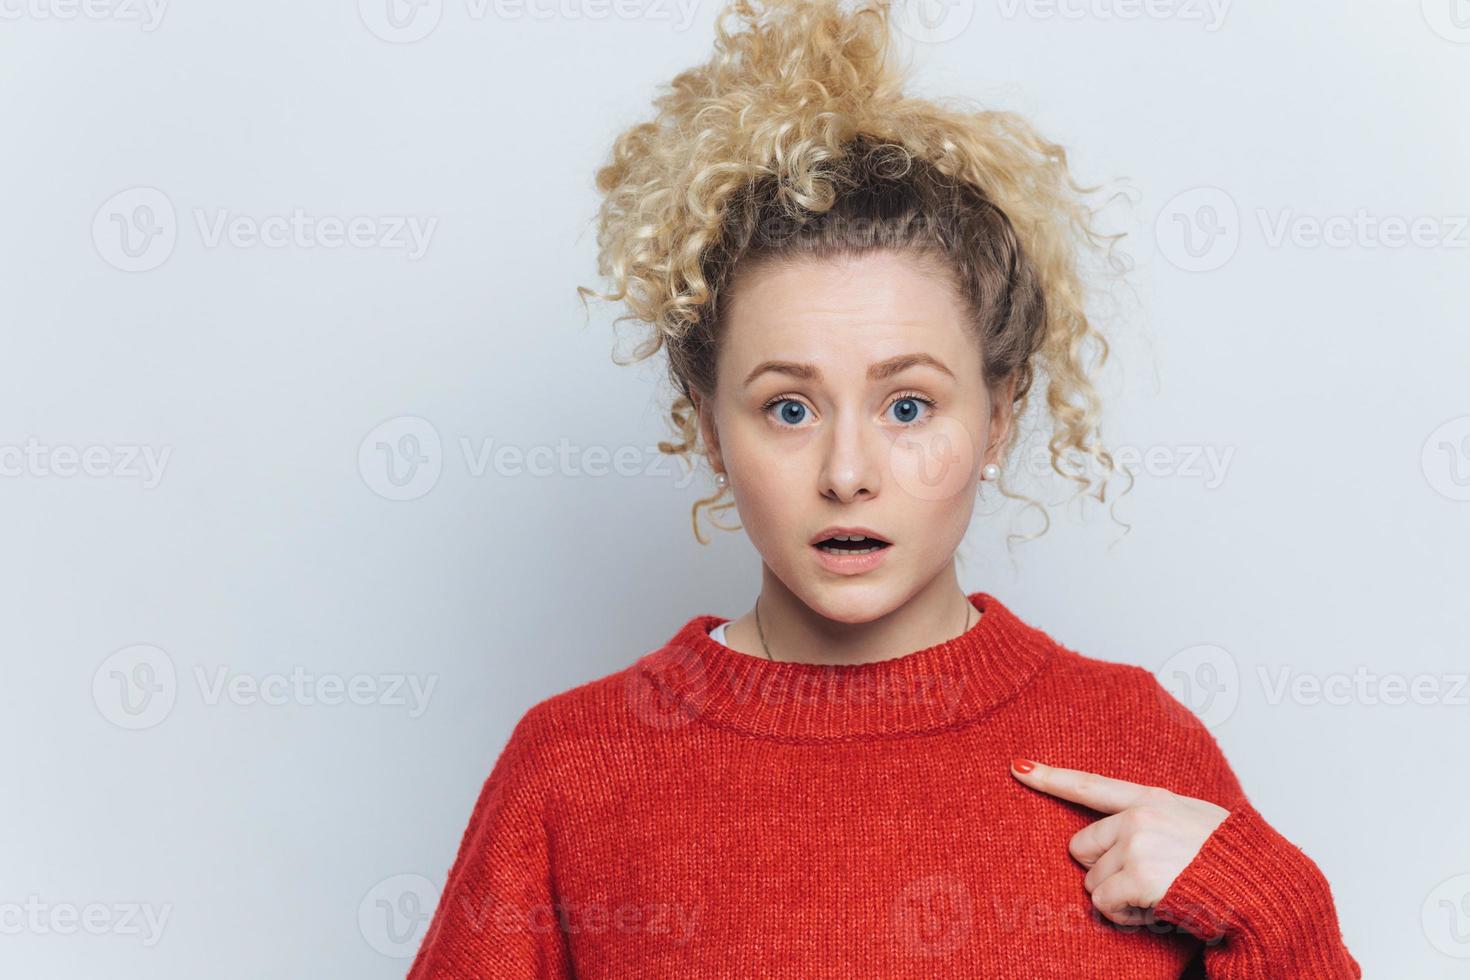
[721,479]
[990,472]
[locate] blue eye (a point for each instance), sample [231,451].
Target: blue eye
[909,408]
[792,411]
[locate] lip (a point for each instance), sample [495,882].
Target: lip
[850,564]
[866,532]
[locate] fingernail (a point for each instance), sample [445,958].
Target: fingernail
[1022,765]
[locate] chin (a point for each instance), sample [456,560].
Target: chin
[852,601]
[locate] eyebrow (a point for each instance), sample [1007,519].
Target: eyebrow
[876,372]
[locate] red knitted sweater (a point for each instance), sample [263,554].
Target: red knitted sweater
[708,813]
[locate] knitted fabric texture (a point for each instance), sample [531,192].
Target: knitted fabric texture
[709,813]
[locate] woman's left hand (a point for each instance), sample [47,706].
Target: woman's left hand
[1134,854]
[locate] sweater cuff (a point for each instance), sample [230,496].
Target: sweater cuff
[1253,893]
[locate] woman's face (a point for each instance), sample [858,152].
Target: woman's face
[850,394]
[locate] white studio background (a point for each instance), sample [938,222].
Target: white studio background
[254,676]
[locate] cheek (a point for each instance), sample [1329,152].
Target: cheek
[766,493]
[772,492]
[932,465]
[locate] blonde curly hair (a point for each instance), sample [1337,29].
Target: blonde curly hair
[796,138]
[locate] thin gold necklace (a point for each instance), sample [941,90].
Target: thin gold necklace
[969,608]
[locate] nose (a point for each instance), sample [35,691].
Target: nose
[852,458]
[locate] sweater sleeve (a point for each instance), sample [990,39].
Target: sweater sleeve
[497,914]
[1262,906]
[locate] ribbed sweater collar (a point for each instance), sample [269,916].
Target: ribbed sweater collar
[695,677]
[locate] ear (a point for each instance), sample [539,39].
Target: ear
[710,435]
[1002,415]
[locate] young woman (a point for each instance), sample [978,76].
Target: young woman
[871,773]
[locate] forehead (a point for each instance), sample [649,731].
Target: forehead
[851,308]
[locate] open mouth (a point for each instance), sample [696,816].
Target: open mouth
[845,544]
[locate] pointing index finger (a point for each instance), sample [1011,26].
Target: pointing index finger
[1102,793]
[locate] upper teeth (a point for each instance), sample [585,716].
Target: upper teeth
[849,537]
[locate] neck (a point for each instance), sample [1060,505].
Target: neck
[953,682]
[789,629]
